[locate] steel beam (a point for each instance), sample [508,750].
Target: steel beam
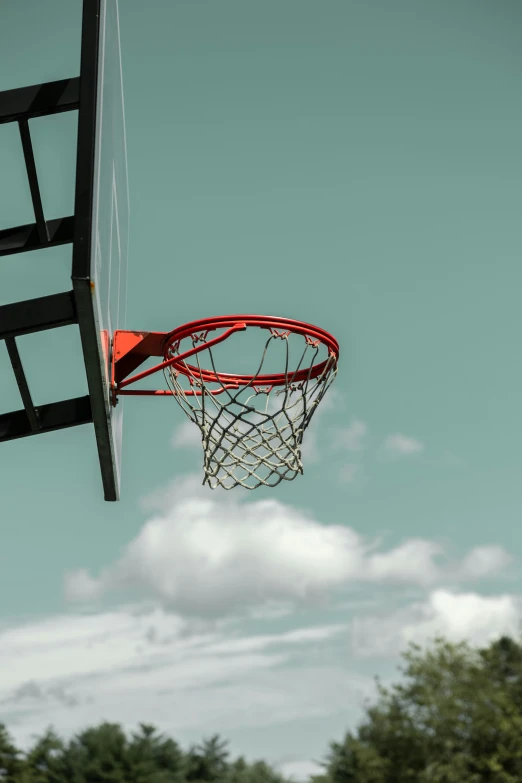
[55,416]
[37,315]
[23,386]
[39,100]
[22,239]
[32,176]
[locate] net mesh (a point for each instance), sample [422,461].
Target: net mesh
[252,433]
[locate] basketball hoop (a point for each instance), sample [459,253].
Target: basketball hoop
[251,425]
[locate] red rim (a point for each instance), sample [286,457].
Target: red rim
[314,333]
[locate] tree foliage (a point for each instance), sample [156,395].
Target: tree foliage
[454,717]
[104,754]
[208,761]
[12,765]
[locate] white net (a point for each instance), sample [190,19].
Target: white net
[252,433]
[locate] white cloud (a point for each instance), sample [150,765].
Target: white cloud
[206,555]
[144,664]
[456,616]
[271,610]
[413,561]
[484,561]
[401,445]
[351,438]
[80,582]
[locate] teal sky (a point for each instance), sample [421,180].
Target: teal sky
[352,164]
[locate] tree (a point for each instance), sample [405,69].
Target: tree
[45,759]
[208,761]
[13,768]
[261,772]
[455,717]
[98,755]
[237,771]
[258,772]
[353,761]
[155,759]
[104,755]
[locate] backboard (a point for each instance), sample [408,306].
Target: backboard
[99,269]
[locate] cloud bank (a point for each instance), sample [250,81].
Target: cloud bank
[204,555]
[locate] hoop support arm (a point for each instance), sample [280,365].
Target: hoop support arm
[130,349]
